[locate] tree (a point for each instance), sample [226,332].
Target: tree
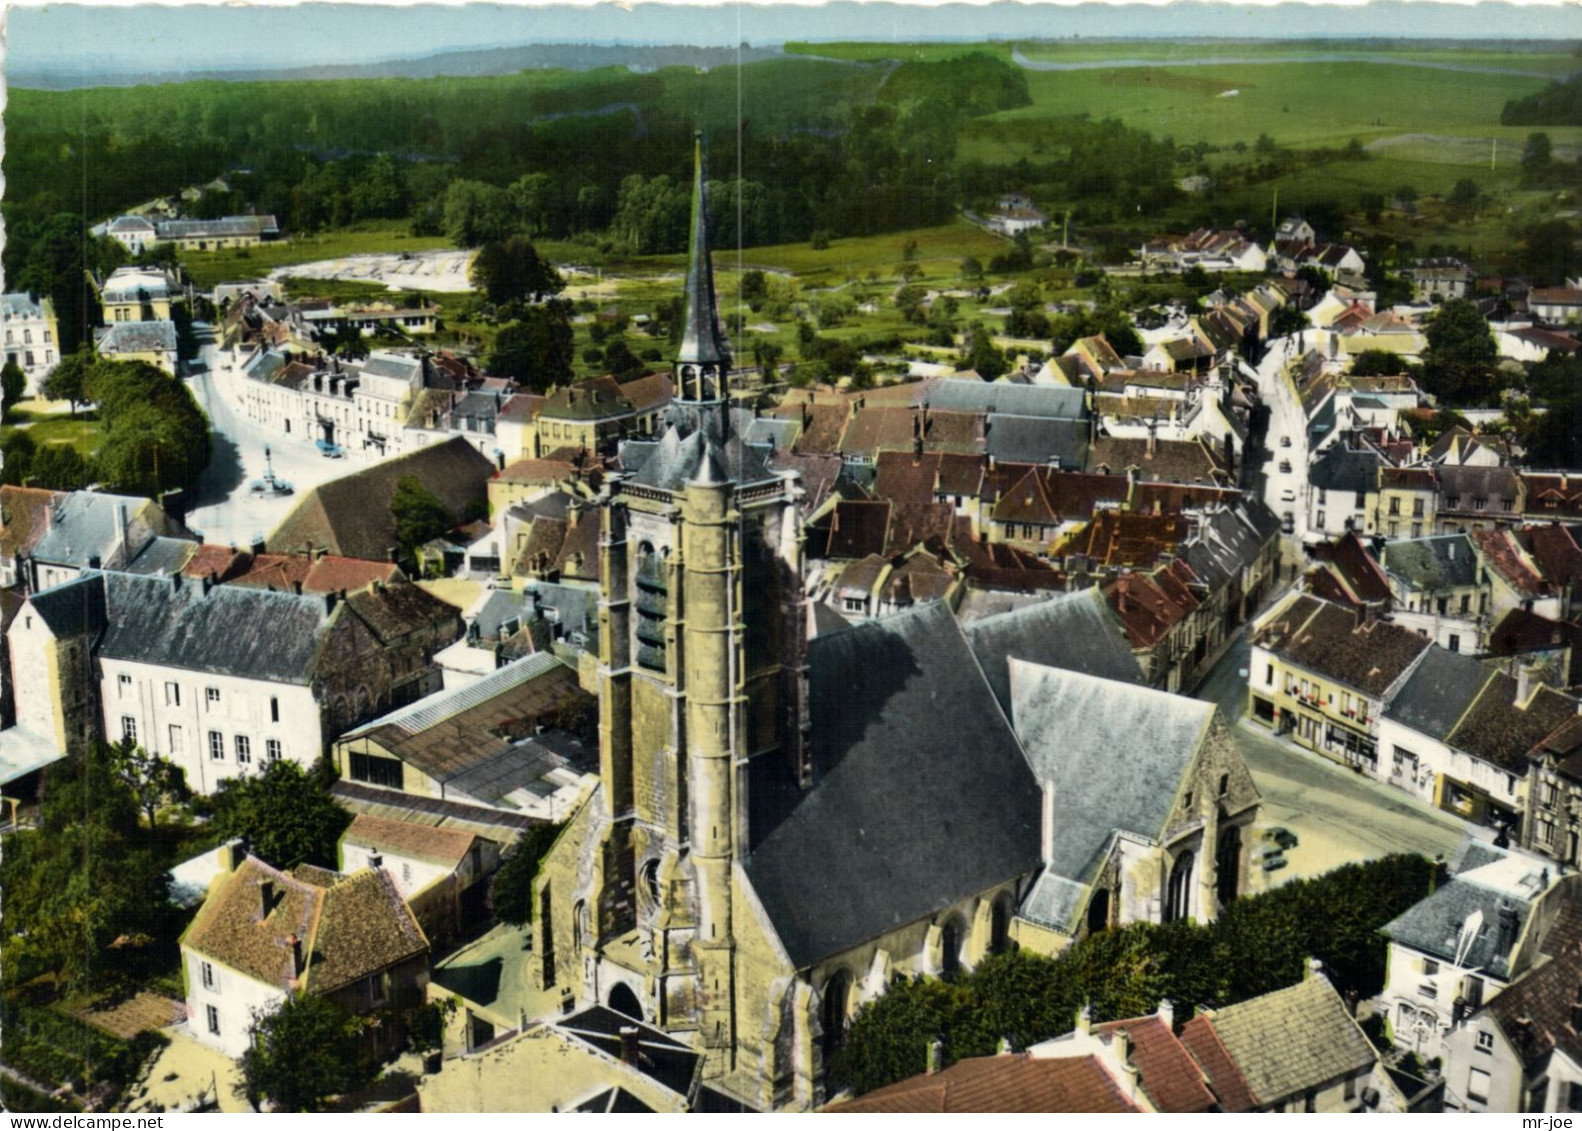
[68,380]
[306,1051]
[1465,193]
[476,213]
[1406,197]
[1537,155]
[511,270]
[537,349]
[153,781]
[621,361]
[511,889]
[983,355]
[755,288]
[1378,363]
[1555,437]
[419,515]
[13,383]
[909,250]
[1459,363]
[285,814]
[1286,321]
[59,467]
[1265,145]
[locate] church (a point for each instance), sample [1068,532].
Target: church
[785,822]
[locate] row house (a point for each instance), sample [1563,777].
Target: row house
[1322,673]
[1438,279]
[324,318]
[1451,954]
[1459,734]
[221,679]
[1439,588]
[227,232]
[1206,248]
[137,294]
[591,416]
[1522,1051]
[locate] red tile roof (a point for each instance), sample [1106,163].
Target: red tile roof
[1169,1076]
[1223,1076]
[1008,1083]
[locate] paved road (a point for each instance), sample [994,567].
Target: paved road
[1338,815]
[225,513]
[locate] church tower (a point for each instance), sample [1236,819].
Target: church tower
[700,592]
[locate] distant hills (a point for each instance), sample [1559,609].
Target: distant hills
[456,64]
[68,46]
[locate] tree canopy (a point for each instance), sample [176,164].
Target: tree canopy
[285,814]
[1258,944]
[305,1052]
[511,889]
[512,271]
[1459,363]
[419,515]
[538,348]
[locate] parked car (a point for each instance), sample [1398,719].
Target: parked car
[1274,862]
[1284,837]
[330,450]
[269,488]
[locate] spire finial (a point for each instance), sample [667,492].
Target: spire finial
[702,344]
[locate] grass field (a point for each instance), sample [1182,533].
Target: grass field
[82,432]
[211,267]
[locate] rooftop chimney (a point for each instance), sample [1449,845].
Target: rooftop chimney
[629,1051]
[1167,1013]
[375,859]
[936,1056]
[296,955]
[1506,920]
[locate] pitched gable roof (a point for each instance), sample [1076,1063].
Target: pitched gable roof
[1289,1041]
[1014,1082]
[351,515]
[1171,1079]
[1116,753]
[909,824]
[1075,631]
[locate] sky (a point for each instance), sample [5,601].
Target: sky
[149,38]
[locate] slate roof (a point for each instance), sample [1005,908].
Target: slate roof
[1328,639]
[1014,1082]
[908,822]
[73,607]
[1345,469]
[1433,925]
[1438,693]
[451,731]
[138,337]
[84,525]
[230,630]
[1031,439]
[161,555]
[1443,561]
[1466,483]
[1116,753]
[351,515]
[1051,402]
[1289,1041]
[1074,631]
[680,456]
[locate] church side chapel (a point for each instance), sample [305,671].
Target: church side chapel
[784,823]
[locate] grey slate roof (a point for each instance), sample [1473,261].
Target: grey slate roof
[1056,402]
[1433,925]
[20,304]
[1033,439]
[1116,753]
[230,630]
[73,607]
[398,366]
[921,795]
[1438,693]
[1342,469]
[1444,561]
[138,337]
[84,525]
[1075,631]
[161,555]
[675,460]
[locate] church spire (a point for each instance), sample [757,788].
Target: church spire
[704,356]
